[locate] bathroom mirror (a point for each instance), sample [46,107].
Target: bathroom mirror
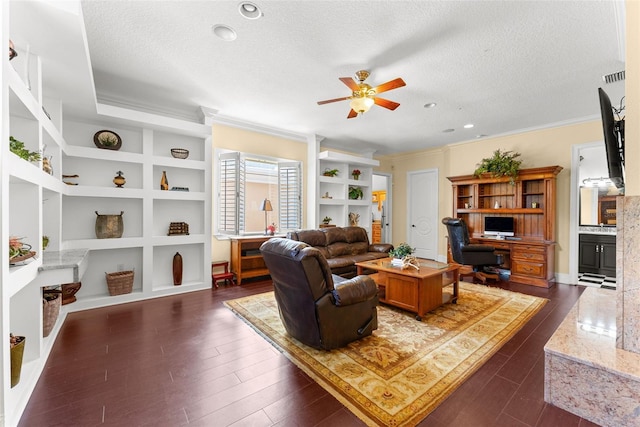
[598,206]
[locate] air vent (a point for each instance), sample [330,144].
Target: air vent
[613,77]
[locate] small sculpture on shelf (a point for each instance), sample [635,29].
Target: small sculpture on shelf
[354,218]
[119,180]
[178,228]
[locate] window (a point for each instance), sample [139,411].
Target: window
[244,181]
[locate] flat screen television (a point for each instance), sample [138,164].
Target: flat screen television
[613,140]
[499,226]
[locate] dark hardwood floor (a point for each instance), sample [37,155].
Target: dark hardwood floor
[187,359]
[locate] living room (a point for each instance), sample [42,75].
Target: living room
[551,144]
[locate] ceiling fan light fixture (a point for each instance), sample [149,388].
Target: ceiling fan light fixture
[249,10]
[361,104]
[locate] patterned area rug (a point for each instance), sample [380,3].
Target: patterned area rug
[401,373]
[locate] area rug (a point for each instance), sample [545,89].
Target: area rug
[401,373]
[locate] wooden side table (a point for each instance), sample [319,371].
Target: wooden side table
[221,275]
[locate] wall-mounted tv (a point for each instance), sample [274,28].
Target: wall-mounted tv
[613,140]
[499,226]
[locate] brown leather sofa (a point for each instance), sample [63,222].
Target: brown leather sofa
[317,308]
[342,247]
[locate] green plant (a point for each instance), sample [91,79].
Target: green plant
[330,172]
[17,148]
[401,251]
[355,193]
[327,219]
[502,163]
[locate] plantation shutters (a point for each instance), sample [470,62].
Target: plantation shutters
[290,195]
[231,195]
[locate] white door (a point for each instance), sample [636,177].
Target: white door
[422,193]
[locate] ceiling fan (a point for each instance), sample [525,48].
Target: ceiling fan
[364,96]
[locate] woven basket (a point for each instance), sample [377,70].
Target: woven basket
[50,312]
[120,282]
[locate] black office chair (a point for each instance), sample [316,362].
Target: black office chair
[479,257]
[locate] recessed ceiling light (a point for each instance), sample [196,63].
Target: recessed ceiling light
[225,32]
[468,126]
[482,135]
[249,10]
[448,130]
[430,105]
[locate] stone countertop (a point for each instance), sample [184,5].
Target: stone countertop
[594,229]
[587,335]
[75,259]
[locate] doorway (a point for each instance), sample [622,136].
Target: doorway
[381,205]
[422,194]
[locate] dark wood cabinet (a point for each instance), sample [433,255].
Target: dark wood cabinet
[597,254]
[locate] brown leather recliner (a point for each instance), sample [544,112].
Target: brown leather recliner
[317,308]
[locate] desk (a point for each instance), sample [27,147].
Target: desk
[418,291]
[532,262]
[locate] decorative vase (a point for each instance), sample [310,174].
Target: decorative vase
[164,182]
[109,226]
[496,205]
[17,351]
[119,180]
[355,177]
[177,269]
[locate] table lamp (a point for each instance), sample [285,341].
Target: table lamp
[266,207]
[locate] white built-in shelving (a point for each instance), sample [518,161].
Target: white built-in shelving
[333,191]
[35,203]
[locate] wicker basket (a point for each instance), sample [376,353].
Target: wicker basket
[50,312]
[179,153]
[120,282]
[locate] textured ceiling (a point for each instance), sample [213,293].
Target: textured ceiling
[504,66]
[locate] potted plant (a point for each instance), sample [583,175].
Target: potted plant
[330,172]
[401,251]
[355,192]
[17,148]
[356,174]
[502,163]
[326,220]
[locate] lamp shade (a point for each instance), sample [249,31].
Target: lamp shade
[266,205]
[361,104]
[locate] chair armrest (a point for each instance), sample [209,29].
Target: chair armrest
[355,290]
[380,247]
[478,248]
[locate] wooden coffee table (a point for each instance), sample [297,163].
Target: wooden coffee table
[418,291]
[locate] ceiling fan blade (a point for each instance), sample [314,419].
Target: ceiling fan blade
[393,84]
[352,114]
[333,100]
[386,103]
[351,84]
